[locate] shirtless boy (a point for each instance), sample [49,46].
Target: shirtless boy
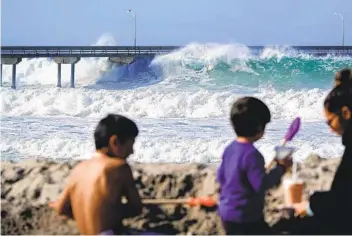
[93,195]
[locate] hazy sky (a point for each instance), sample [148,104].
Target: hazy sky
[166,22]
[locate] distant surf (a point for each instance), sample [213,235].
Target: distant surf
[182,97]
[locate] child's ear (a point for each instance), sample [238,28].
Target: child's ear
[113,141]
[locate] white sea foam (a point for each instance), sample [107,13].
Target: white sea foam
[167,140]
[153,102]
[182,112]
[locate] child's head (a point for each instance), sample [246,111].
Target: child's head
[338,106]
[115,134]
[343,76]
[249,117]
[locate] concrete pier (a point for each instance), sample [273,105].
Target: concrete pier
[72,75]
[0,75]
[123,60]
[13,77]
[59,75]
[13,62]
[66,60]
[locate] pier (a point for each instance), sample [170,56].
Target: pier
[13,55]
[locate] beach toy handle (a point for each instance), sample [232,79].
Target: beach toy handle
[200,201]
[292,131]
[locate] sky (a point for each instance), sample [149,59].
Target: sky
[175,23]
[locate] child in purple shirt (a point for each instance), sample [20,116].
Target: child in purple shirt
[242,176]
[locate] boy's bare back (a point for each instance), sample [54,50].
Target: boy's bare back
[94,193]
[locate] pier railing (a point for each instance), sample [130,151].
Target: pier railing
[83,51]
[115,51]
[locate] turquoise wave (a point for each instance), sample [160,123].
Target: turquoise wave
[284,73]
[253,72]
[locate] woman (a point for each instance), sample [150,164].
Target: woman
[330,212]
[343,76]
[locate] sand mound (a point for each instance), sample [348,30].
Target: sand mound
[27,187]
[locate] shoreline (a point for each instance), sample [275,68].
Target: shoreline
[27,186]
[133,163]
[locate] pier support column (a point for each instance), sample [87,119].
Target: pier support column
[0,75]
[59,75]
[72,75]
[13,62]
[13,76]
[66,60]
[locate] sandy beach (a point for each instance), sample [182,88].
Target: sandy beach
[27,187]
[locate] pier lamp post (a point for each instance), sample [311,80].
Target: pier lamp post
[135,26]
[343,27]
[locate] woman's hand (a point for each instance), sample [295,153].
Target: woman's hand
[53,205]
[301,208]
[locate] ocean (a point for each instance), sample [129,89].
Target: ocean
[180,101]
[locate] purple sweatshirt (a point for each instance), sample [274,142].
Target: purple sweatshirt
[243,182]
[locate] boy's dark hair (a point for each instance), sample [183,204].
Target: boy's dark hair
[341,95]
[114,124]
[249,116]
